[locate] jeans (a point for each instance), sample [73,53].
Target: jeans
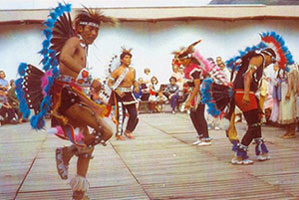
[173,101]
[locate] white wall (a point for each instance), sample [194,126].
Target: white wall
[152,43]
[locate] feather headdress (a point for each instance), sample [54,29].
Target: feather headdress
[183,53]
[33,86]
[93,17]
[268,40]
[277,44]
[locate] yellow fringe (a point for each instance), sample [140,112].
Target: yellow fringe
[63,119]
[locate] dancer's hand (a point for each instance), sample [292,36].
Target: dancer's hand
[246,99]
[187,105]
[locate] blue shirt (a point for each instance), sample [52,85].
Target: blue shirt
[3,83]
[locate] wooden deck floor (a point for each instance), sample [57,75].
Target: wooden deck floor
[161,163]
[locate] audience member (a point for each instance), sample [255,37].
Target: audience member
[13,100]
[161,100]
[179,75]
[147,76]
[153,91]
[288,103]
[172,92]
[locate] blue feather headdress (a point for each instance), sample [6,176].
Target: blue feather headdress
[46,78]
[268,40]
[277,44]
[235,62]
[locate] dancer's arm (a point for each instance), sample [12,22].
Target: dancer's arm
[195,91]
[252,67]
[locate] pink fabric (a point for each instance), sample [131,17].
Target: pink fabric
[60,133]
[205,64]
[187,70]
[45,81]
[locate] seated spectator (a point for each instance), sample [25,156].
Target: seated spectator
[179,75]
[172,92]
[153,91]
[7,113]
[161,100]
[3,83]
[13,100]
[147,77]
[139,94]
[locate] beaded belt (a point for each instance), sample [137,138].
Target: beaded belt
[66,78]
[124,89]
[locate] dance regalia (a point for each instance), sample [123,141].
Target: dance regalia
[47,90]
[205,71]
[193,72]
[213,93]
[238,84]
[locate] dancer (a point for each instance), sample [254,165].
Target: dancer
[121,82]
[249,68]
[196,69]
[72,108]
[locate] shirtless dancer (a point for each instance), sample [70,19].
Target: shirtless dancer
[68,103]
[121,81]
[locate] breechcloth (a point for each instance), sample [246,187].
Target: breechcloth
[253,104]
[66,93]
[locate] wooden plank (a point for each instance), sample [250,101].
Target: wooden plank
[161,163]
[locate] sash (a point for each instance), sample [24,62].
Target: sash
[120,79]
[110,93]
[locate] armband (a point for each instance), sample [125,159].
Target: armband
[251,67]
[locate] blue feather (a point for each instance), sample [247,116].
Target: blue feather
[53,61]
[284,49]
[47,33]
[18,84]
[52,53]
[55,72]
[26,114]
[68,7]
[33,121]
[50,79]
[46,44]
[44,51]
[47,89]
[53,15]
[45,60]
[47,66]
[49,23]
[58,11]
[22,69]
